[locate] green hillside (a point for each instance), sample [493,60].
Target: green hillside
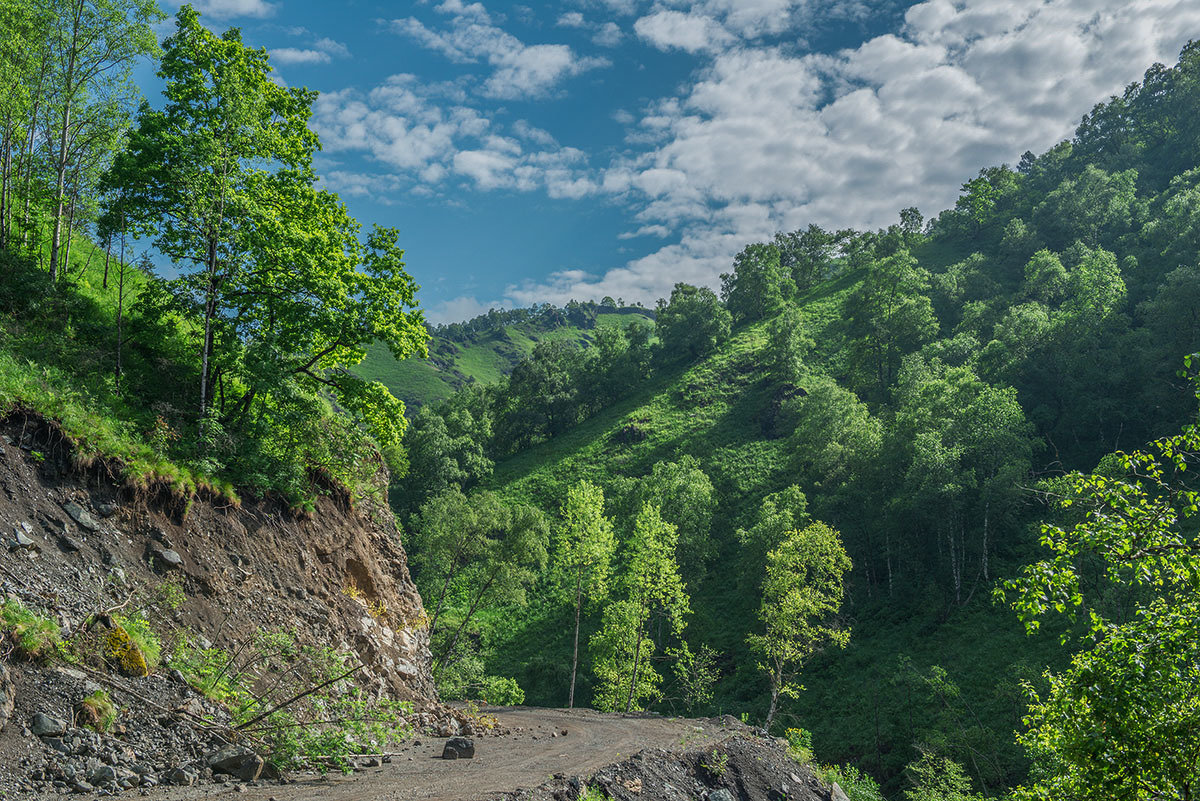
[925,390]
[484,357]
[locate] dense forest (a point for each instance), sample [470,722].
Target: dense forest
[611,526]
[916,499]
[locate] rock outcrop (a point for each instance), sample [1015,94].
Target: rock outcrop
[337,576]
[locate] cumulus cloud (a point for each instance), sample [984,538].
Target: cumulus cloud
[765,139]
[460,308]
[227,9]
[677,30]
[608,35]
[519,70]
[322,52]
[404,126]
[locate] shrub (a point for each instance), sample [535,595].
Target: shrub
[858,786]
[35,637]
[139,631]
[122,653]
[97,711]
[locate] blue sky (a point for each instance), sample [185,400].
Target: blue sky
[541,152]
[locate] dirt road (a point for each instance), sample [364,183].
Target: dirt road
[526,757]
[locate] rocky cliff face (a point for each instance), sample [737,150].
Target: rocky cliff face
[76,542]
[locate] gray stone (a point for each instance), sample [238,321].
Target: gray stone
[69,544]
[82,787]
[8,696]
[81,516]
[104,774]
[241,763]
[720,794]
[106,509]
[458,748]
[837,793]
[166,557]
[25,541]
[45,726]
[181,777]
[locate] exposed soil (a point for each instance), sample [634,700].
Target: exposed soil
[630,758]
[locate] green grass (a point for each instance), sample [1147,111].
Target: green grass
[419,382]
[34,636]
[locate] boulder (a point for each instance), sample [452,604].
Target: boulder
[81,516]
[168,558]
[459,748]
[241,763]
[720,794]
[181,777]
[104,774]
[836,793]
[45,726]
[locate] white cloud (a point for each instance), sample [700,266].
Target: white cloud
[322,52]
[226,9]
[608,35]
[519,70]
[572,19]
[404,127]
[646,230]
[765,139]
[669,29]
[461,308]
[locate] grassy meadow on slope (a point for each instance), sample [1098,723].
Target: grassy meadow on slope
[483,358]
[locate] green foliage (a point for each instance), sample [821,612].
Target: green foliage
[715,764]
[692,323]
[937,778]
[758,284]
[96,711]
[139,630]
[34,636]
[593,793]
[478,551]
[802,593]
[583,556]
[1121,720]
[255,678]
[857,785]
[652,591]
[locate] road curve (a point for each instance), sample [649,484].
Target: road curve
[533,751]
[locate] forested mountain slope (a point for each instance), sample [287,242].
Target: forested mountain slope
[487,348]
[921,389]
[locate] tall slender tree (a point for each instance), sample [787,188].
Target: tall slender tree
[94,46]
[584,555]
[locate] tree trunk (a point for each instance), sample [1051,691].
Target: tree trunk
[107,257]
[210,310]
[60,165]
[987,507]
[776,680]
[5,179]
[575,652]
[637,659]
[120,306]
[466,619]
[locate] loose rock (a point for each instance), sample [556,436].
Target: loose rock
[459,748]
[45,726]
[241,763]
[81,516]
